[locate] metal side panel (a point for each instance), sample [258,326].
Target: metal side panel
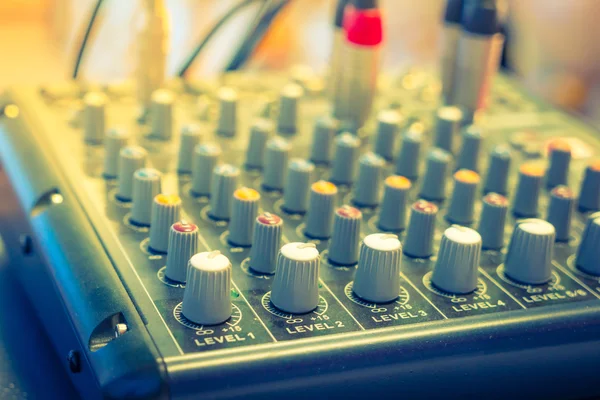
[83,276]
[24,343]
[530,354]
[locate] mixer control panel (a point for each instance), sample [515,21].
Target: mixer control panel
[255,218]
[242,215]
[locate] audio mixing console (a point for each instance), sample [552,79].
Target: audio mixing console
[413,256]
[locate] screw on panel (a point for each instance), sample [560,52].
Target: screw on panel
[26,243]
[74,359]
[120,329]
[10,111]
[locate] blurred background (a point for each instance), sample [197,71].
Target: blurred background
[552,44]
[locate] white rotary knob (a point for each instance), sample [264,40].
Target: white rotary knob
[207,295]
[296,283]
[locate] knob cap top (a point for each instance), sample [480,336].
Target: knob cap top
[210,261]
[269,219]
[349,212]
[450,113]
[425,207]
[467,176]
[462,235]
[496,199]
[167,199]
[227,170]
[147,173]
[324,187]
[298,251]
[184,226]
[390,116]
[383,242]
[227,94]
[533,169]
[537,227]
[246,194]
[209,149]
[163,96]
[96,99]
[134,152]
[292,90]
[559,145]
[398,182]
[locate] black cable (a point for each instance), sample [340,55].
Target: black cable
[242,49]
[505,62]
[255,35]
[86,37]
[206,38]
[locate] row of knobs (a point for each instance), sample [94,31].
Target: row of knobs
[271,153]
[528,260]
[318,199]
[162,113]
[456,267]
[295,287]
[260,154]
[529,257]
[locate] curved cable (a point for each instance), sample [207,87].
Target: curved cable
[212,31]
[255,35]
[86,37]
